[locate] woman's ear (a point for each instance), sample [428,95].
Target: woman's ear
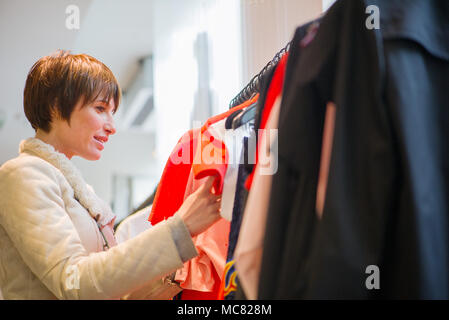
[55,112]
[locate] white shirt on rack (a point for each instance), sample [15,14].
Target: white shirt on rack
[133,225]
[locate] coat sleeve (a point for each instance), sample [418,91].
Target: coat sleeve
[32,212]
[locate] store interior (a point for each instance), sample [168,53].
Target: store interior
[177,62]
[318,127]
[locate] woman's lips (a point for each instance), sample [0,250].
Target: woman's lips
[100,141]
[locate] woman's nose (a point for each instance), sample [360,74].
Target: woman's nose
[110,127]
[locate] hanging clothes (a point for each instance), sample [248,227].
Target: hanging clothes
[201,277]
[133,225]
[248,253]
[170,195]
[171,188]
[229,280]
[274,91]
[230,289]
[198,154]
[284,196]
[387,194]
[235,140]
[326,151]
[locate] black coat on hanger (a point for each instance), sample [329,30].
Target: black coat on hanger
[387,198]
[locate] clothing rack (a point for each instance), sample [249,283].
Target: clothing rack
[254,86]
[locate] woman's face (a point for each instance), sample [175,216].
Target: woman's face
[89,130]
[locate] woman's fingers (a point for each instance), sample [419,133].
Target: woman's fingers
[207,186]
[216,205]
[201,209]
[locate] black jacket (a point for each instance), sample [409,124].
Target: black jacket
[387,200]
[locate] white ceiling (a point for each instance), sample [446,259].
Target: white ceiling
[117,32]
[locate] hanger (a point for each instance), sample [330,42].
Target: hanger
[230,119]
[253,87]
[245,116]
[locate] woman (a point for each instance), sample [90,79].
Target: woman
[56,238]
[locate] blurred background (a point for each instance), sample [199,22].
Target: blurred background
[178,63]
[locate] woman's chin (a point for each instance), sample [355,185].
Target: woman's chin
[92,156]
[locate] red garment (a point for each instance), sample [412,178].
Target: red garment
[187,165]
[211,159]
[274,91]
[199,276]
[200,295]
[183,174]
[170,192]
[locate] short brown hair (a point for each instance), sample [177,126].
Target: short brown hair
[60,80]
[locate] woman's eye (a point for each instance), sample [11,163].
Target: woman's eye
[100,108]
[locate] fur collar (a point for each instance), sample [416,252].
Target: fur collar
[97,208]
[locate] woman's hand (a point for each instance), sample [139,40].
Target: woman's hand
[201,209]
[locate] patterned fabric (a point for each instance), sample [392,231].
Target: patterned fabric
[229,283]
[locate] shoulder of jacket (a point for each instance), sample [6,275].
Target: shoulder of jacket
[25,164]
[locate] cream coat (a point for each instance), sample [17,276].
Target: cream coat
[50,245]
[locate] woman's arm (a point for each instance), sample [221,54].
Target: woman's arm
[32,212]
